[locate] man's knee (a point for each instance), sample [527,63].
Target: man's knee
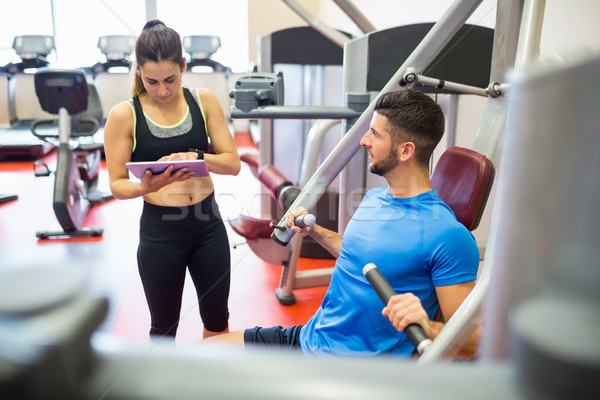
[229,337]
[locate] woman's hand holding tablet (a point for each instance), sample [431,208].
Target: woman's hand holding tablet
[157,167]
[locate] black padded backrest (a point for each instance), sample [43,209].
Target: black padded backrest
[465,59]
[69,89]
[61,88]
[94,106]
[80,122]
[300,44]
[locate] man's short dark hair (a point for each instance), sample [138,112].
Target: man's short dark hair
[413,117]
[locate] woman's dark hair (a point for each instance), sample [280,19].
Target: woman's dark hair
[413,117]
[156,43]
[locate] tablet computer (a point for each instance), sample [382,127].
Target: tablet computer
[139,168]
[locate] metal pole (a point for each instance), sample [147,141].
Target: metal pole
[355,15]
[332,34]
[442,84]
[531,33]
[151,10]
[296,112]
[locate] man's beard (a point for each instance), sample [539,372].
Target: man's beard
[386,165]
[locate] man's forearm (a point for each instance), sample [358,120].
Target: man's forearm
[330,240]
[468,350]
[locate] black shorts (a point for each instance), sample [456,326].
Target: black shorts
[287,338]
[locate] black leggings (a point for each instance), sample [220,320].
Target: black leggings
[173,239]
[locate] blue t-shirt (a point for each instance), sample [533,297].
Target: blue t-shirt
[417,244]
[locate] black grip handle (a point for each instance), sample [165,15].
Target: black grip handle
[415,332]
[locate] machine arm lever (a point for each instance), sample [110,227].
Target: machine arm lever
[415,332]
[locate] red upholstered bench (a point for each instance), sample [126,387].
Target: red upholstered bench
[463,179]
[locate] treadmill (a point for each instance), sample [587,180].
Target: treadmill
[16,88]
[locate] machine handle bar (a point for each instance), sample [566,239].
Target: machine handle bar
[415,332]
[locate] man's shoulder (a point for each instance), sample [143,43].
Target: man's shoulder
[375,193]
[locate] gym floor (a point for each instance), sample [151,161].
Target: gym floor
[110,260]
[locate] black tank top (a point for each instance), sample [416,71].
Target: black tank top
[149,147]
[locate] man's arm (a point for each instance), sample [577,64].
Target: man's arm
[330,240]
[405,309]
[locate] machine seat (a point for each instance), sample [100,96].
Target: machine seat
[252,228]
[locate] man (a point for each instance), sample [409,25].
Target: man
[412,236]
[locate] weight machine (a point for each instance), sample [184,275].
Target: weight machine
[464,58]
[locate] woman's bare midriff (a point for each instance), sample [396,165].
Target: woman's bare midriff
[182,194]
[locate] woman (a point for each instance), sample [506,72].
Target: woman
[180,225]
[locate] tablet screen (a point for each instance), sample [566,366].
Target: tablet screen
[139,168]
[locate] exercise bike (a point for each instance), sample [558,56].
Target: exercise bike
[67,94]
